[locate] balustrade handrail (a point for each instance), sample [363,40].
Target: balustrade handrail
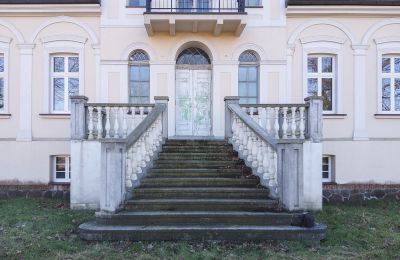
[275,105]
[145,124]
[118,105]
[257,129]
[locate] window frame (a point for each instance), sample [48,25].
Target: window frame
[135,6]
[138,64]
[319,75]
[392,76]
[67,170]
[331,161]
[66,75]
[4,52]
[250,64]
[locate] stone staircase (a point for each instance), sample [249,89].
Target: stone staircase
[201,190]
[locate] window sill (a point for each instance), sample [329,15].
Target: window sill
[387,116]
[55,116]
[66,183]
[334,116]
[5,116]
[254,7]
[131,6]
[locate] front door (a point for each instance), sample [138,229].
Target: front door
[193,104]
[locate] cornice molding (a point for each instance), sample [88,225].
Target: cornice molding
[50,10]
[353,11]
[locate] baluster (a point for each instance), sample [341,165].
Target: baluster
[259,112]
[233,129]
[293,124]
[249,145]
[301,123]
[254,150]
[266,162]
[267,120]
[245,139]
[108,123]
[124,123]
[132,119]
[116,122]
[272,168]
[276,124]
[141,115]
[251,112]
[99,127]
[284,123]
[260,158]
[90,124]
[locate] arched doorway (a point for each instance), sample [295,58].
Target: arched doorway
[193,93]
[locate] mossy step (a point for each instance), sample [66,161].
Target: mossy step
[197,174]
[99,232]
[207,164]
[199,182]
[197,142]
[198,156]
[200,193]
[198,218]
[202,204]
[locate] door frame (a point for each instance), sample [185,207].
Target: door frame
[195,67]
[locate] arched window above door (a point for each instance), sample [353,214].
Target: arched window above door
[248,77]
[139,77]
[193,56]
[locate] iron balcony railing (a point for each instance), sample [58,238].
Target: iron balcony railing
[195,6]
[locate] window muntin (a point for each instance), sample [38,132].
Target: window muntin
[390,78]
[64,81]
[193,56]
[321,79]
[139,78]
[327,168]
[61,168]
[2,83]
[248,77]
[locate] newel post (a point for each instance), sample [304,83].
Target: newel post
[163,100]
[78,117]
[314,118]
[228,115]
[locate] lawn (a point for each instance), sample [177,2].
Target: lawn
[47,229]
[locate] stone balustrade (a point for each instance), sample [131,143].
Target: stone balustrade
[282,145]
[114,120]
[283,121]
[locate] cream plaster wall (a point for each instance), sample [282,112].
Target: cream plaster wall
[120,30]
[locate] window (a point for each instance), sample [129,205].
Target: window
[248,77]
[390,90]
[2,83]
[139,78]
[321,79]
[327,168]
[64,81]
[61,168]
[137,3]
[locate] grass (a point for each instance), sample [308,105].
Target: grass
[47,229]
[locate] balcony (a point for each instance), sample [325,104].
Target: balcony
[214,16]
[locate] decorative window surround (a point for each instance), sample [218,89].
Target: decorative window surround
[4,74]
[70,44]
[326,45]
[249,63]
[389,47]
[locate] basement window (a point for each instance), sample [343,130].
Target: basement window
[61,168]
[327,168]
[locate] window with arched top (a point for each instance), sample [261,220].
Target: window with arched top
[193,56]
[139,77]
[248,77]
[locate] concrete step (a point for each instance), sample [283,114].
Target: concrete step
[197,156]
[197,174]
[200,193]
[199,182]
[94,231]
[197,149]
[202,204]
[185,218]
[197,170]
[205,164]
[197,142]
